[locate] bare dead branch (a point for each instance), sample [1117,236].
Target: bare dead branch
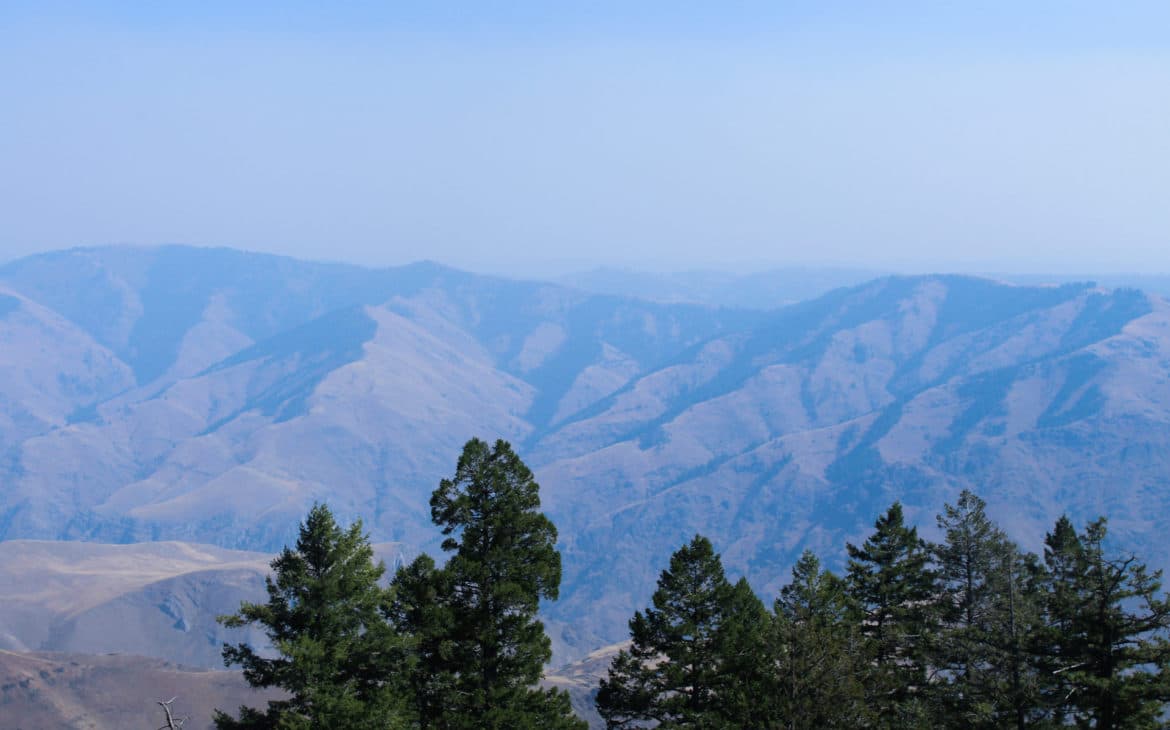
[173,723]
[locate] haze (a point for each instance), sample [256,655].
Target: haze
[518,137]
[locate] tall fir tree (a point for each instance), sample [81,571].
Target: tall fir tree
[338,659]
[689,665]
[504,561]
[1017,619]
[747,666]
[1059,647]
[987,611]
[1110,623]
[819,664]
[418,608]
[894,588]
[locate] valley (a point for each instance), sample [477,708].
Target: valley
[210,396]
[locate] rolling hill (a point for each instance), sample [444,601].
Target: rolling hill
[113,692]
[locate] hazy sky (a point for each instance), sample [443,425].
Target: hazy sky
[540,135]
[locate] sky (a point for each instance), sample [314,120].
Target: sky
[538,137]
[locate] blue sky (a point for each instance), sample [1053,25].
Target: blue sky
[539,136]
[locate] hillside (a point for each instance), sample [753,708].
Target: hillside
[796,433]
[48,691]
[112,692]
[211,396]
[157,599]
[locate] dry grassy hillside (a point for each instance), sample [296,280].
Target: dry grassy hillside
[212,396]
[111,692]
[155,599]
[50,691]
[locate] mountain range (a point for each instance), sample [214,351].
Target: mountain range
[771,288]
[211,396]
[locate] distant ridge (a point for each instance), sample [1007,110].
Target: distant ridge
[773,288]
[209,395]
[768,289]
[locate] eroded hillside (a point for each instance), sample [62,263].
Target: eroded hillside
[212,396]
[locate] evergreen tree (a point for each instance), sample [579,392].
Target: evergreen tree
[338,659]
[1110,624]
[418,608]
[680,670]
[747,667]
[1017,619]
[894,588]
[491,647]
[819,665]
[1059,647]
[988,609]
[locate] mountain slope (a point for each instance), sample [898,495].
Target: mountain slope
[275,383]
[113,692]
[157,599]
[797,433]
[47,691]
[264,383]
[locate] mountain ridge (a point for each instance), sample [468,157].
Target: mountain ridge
[645,422]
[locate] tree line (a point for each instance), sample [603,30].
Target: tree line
[970,632]
[457,647]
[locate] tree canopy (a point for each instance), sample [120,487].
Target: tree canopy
[457,646]
[504,562]
[971,632]
[694,656]
[338,658]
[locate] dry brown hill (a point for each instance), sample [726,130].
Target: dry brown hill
[155,599]
[212,396]
[50,691]
[111,692]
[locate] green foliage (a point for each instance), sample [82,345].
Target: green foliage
[418,608]
[893,586]
[484,647]
[337,657]
[694,658]
[821,668]
[1107,650]
[1058,647]
[746,664]
[457,647]
[968,633]
[988,610]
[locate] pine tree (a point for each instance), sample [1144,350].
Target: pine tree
[890,579]
[1017,619]
[747,666]
[819,668]
[988,609]
[418,608]
[504,561]
[338,659]
[1110,623]
[1059,646]
[683,666]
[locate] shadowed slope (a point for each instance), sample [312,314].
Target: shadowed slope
[645,423]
